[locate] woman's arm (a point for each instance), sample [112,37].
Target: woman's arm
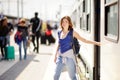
[56,54]
[76,35]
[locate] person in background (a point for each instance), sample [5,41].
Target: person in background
[36,26]
[42,32]
[65,55]
[10,29]
[4,31]
[48,34]
[22,28]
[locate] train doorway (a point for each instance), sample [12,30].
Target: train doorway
[96,69]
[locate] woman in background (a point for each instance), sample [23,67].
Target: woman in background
[23,30]
[4,31]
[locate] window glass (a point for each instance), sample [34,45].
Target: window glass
[81,23]
[85,21]
[88,23]
[112,19]
[111,16]
[107,1]
[84,6]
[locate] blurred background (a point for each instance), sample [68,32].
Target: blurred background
[48,10]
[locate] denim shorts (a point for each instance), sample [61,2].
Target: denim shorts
[70,66]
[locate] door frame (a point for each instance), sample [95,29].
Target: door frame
[96,68]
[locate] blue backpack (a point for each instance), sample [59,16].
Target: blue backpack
[75,43]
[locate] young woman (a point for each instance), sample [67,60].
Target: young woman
[23,30]
[65,55]
[10,29]
[4,31]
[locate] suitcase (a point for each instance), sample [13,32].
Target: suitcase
[51,39]
[43,39]
[9,52]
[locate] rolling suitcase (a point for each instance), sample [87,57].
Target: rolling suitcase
[9,52]
[43,39]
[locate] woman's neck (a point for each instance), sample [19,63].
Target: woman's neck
[65,30]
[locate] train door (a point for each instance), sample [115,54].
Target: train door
[96,69]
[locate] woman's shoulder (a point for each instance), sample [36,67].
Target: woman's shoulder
[59,31]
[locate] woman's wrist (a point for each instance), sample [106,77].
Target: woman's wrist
[98,43]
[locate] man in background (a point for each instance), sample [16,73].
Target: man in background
[36,26]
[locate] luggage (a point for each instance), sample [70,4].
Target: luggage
[43,39]
[9,52]
[51,39]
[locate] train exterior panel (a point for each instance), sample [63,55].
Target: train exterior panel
[110,49]
[99,20]
[83,20]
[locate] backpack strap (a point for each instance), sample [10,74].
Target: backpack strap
[71,35]
[71,32]
[72,40]
[59,32]
[38,26]
[73,46]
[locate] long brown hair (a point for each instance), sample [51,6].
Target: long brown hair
[69,20]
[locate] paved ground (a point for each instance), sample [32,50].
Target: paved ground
[37,66]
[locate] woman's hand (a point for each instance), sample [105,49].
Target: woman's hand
[21,33]
[55,59]
[98,43]
[10,33]
[56,55]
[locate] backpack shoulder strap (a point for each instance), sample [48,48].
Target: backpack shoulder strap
[59,32]
[71,32]
[39,25]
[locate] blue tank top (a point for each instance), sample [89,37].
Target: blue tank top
[65,43]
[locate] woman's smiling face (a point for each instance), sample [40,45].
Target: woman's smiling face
[65,23]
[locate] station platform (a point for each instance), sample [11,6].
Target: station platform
[38,66]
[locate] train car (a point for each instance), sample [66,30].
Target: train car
[110,30]
[83,20]
[98,20]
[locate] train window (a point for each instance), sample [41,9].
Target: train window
[74,17]
[85,18]
[81,10]
[84,22]
[88,23]
[84,6]
[88,26]
[111,20]
[81,23]
[108,1]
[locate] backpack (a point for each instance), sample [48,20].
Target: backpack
[75,43]
[17,37]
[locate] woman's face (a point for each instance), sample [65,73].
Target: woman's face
[65,23]
[5,22]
